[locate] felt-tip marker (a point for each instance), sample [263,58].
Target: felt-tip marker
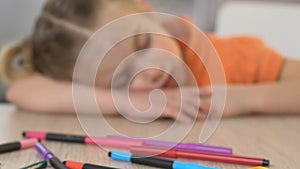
[154,161]
[48,156]
[182,146]
[103,141]
[177,153]
[38,165]
[78,165]
[17,145]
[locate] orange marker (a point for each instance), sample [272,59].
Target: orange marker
[78,165]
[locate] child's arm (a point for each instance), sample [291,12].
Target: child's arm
[44,95]
[277,98]
[281,97]
[270,98]
[41,94]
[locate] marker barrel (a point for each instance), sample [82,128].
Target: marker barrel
[65,138]
[113,142]
[151,161]
[55,137]
[225,159]
[56,163]
[8,147]
[102,141]
[155,162]
[176,153]
[78,165]
[17,145]
[182,146]
[38,165]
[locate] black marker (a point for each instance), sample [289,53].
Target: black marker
[48,156]
[17,145]
[155,162]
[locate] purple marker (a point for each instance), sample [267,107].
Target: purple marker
[183,146]
[48,156]
[190,146]
[205,148]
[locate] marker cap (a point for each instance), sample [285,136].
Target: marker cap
[28,143]
[47,155]
[122,156]
[34,134]
[180,165]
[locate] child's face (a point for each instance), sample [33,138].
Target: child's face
[157,59]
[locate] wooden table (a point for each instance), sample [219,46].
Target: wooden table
[273,137]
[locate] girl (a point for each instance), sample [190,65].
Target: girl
[267,83]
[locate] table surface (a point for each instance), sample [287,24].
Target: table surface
[275,138]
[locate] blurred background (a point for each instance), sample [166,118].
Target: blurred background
[276,21]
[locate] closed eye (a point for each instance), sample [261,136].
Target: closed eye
[122,78]
[143,41]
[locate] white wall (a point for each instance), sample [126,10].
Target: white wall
[198,10]
[16,18]
[276,23]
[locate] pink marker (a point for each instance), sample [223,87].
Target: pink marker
[18,145]
[113,142]
[103,141]
[181,146]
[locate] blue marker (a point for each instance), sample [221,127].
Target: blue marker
[154,161]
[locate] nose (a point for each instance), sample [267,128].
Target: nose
[146,80]
[153,75]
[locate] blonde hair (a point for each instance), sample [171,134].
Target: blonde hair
[9,71]
[57,37]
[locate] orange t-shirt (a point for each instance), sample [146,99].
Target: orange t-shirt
[245,59]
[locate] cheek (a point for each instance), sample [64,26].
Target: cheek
[138,84]
[166,44]
[142,83]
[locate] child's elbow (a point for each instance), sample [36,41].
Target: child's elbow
[20,97]
[12,95]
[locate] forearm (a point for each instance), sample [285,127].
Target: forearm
[88,100]
[273,98]
[39,94]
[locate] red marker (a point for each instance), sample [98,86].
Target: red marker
[17,145]
[103,141]
[78,165]
[176,153]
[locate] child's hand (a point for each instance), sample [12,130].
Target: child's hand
[168,105]
[236,103]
